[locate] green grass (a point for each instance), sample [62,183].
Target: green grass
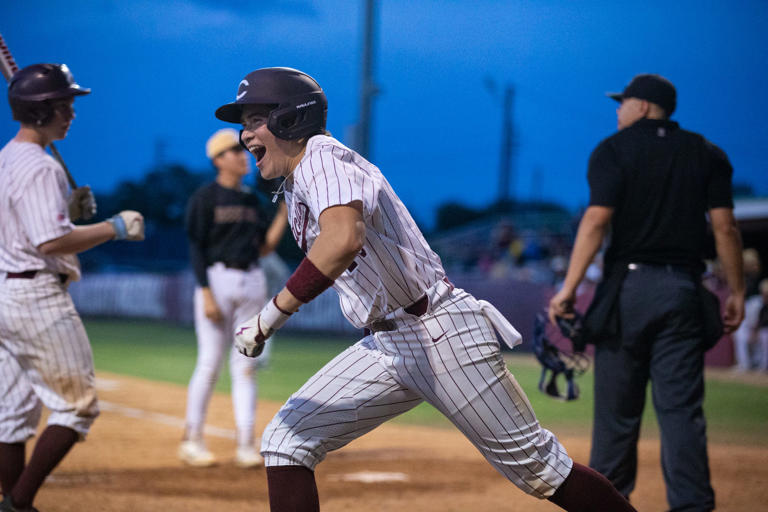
[157,351]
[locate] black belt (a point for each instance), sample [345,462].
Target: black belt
[417,308]
[665,267]
[237,266]
[30,274]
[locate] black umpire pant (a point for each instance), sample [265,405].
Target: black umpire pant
[661,331]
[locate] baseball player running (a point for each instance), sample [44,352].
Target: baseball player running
[228,231]
[45,356]
[426,341]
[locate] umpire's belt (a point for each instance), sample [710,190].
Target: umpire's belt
[664,267]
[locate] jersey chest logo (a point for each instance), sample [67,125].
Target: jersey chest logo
[299,222]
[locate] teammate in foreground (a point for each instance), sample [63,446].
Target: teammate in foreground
[45,356]
[653,183]
[427,340]
[228,231]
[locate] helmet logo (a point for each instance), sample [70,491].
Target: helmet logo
[243,89]
[313,102]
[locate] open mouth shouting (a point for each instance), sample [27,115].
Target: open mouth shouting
[258,151]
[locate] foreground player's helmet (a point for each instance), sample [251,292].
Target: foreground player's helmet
[299,106]
[32,89]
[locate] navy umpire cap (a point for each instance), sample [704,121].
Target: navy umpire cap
[39,82]
[298,104]
[650,87]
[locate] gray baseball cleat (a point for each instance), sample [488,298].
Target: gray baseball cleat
[7,506]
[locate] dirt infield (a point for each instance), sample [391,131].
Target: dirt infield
[129,464]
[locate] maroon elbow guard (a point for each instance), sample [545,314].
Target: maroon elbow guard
[307,282]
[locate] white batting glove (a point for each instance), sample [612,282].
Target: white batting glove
[82,204]
[251,336]
[128,225]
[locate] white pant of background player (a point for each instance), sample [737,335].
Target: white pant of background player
[449,357]
[45,359]
[750,342]
[240,294]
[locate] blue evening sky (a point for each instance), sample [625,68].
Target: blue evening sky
[159,69]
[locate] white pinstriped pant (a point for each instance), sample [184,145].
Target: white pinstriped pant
[449,357]
[45,359]
[239,295]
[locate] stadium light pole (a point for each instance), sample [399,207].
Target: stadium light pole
[368,87]
[507,138]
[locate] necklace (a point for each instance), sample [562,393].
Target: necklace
[281,188]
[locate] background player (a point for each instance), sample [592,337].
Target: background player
[228,231]
[653,184]
[428,341]
[45,356]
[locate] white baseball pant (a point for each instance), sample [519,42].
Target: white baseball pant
[45,359]
[448,357]
[240,295]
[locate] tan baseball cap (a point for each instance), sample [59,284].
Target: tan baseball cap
[222,140]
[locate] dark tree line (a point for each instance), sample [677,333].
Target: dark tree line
[161,196]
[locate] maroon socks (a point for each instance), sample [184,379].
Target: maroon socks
[292,489]
[586,490]
[11,465]
[54,443]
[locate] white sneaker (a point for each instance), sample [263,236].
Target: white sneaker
[248,457]
[194,453]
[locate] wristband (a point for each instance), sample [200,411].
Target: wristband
[307,282]
[118,224]
[272,316]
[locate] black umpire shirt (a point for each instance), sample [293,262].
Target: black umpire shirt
[223,225]
[660,180]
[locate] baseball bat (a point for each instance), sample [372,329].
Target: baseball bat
[9,67]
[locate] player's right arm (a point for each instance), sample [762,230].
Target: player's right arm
[342,235]
[42,208]
[197,224]
[80,239]
[340,218]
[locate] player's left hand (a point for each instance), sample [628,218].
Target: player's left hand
[251,336]
[561,305]
[82,204]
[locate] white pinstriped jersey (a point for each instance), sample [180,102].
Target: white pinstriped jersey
[33,209]
[396,265]
[448,355]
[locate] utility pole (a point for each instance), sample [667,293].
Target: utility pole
[507,147]
[368,88]
[507,141]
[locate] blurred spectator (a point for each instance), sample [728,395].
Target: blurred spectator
[503,235]
[592,276]
[558,265]
[752,271]
[751,339]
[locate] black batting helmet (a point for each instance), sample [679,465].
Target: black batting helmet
[299,105]
[32,88]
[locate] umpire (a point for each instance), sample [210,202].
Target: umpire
[651,185]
